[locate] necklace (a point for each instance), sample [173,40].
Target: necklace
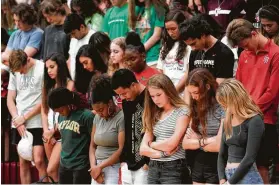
[267,3]
[219,5]
[218,9]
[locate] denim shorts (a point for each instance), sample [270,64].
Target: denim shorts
[252,177]
[168,172]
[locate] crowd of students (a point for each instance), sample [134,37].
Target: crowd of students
[142,91]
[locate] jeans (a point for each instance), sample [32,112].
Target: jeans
[111,174]
[68,176]
[168,172]
[133,177]
[252,177]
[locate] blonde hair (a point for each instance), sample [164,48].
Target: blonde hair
[232,95]
[151,111]
[7,20]
[120,41]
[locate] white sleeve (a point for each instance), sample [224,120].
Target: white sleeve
[160,62]
[73,44]
[187,58]
[4,67]
[12,82]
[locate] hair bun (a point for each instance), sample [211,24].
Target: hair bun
[133,38]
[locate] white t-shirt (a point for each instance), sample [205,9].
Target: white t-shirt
[171,67]
[28,89]
[52,118]
[234,50]
[74,47]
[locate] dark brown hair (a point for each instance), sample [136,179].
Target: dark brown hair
[26,13]
[207,85]
[53,6]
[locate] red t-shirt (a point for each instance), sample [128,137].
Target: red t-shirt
[144,76]
[259,73]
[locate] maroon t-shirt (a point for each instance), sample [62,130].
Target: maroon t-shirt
[4,84]
[227,11]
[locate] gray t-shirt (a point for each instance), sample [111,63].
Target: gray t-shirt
[55,40]
[106,134]
[213,120]
[165,128]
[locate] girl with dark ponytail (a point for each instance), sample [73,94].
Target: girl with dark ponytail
[135,58]
[75,125]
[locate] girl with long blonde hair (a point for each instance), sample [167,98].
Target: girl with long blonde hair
[241,137]
[166,117]
[7,21]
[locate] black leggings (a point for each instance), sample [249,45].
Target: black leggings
[68,176]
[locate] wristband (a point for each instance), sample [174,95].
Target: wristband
[203,142]
[163,154]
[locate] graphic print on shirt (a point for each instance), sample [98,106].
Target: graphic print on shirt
[143,24]
[266,59]
[136,132]
[69,125]
[26,82]
[172,64]
[204,64]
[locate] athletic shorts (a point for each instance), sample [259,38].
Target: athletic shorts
[36,132]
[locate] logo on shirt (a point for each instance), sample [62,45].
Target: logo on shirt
[204,63]
[69,125]
[266,59]
[27,82]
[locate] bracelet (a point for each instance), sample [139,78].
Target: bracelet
[203,142]
[163,154]
[200,143]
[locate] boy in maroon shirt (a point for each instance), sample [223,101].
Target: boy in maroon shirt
[258,70]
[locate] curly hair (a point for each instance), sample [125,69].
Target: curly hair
[100,89]
[26,13]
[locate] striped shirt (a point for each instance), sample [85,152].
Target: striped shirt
[165,128]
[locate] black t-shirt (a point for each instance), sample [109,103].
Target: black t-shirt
[55,40]
[219,60]
[133,133]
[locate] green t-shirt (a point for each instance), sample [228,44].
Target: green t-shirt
[75,133]
[116,22]
[95,22]
[148,20]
